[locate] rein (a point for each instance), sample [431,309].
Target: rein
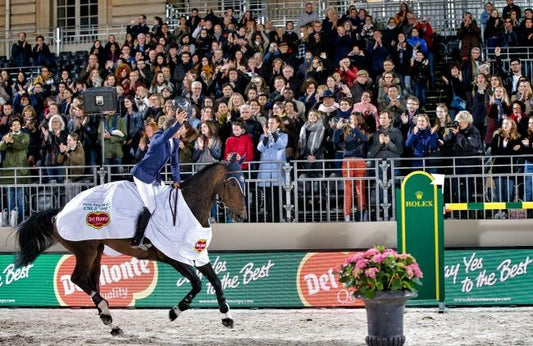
[173,209]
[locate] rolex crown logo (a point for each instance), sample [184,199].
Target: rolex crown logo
[419,195]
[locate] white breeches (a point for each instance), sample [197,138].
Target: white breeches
[148,193]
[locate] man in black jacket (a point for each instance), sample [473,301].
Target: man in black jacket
[21,52]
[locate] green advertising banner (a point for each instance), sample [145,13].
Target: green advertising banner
[253,280]
[291,279]
[32,285]
[248,280]
[489,277]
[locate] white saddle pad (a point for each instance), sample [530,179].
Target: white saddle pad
[110,211]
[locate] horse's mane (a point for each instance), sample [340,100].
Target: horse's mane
[200,177]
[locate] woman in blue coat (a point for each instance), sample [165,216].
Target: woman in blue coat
[147,173]
[272,144]
[423,140]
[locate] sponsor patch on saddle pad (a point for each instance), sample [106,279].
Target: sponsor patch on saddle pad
[110,211]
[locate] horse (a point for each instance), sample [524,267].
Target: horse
[200,191]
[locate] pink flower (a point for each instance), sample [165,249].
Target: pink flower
[362,269]
[371,272]
[371,252]
[354,258]
[379,258]
[416,268]
[413,271]
[410,271]
[390,252]
[361,264]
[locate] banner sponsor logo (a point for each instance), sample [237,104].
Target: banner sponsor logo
[318,283]
[123,279]
[12,274]
[418,202]
[486,277]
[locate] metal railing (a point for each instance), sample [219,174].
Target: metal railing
[61,39]
[305,192]
[445,17]
[525,54]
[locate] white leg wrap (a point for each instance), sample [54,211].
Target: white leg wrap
[228,315]
[104,308]
[177,310]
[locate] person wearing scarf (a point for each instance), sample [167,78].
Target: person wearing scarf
[499,108]
[310,141]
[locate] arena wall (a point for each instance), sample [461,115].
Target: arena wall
[343,235]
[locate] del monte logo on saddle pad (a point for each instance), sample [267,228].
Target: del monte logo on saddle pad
[200,245]
[97,219]
[97,214]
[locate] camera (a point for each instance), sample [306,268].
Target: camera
[453,125]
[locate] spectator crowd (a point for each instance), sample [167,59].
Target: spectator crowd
[343,87]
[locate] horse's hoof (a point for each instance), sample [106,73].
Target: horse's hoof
[116,331]
[227,322]
[172,315]
[106,319]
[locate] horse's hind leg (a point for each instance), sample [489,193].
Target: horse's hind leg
[188,272]
[87,276]
[208,271]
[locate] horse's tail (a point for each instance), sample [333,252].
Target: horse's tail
[35,235]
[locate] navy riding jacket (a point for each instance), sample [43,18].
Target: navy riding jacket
[148,170]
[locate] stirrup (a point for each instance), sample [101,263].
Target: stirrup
[142,246]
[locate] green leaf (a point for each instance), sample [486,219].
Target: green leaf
[396,285]
[370,294]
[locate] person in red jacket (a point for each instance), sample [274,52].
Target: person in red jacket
[347,71]
[240,143]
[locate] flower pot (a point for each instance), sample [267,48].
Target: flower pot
[384,315]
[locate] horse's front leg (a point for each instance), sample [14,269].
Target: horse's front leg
[208,271]
[188,272]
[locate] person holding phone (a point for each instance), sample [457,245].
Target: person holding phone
[350,136]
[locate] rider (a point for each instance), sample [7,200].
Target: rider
[146,173]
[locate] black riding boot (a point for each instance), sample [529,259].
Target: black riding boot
[142,223]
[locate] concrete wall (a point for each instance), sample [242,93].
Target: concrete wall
[340,236]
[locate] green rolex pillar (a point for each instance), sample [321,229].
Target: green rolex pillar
[420,230]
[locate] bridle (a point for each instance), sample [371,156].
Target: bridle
[218,199]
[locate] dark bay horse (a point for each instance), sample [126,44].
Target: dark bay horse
[226,180]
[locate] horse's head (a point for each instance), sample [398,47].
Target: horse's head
[233,190]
